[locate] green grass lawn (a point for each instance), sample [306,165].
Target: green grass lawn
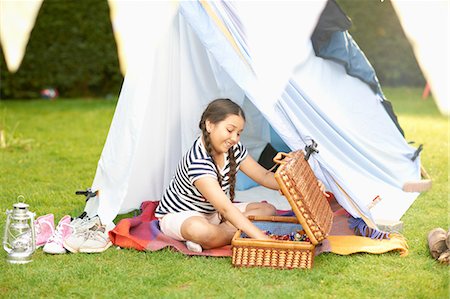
[52,149]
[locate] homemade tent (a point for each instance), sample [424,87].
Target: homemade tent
[295,70]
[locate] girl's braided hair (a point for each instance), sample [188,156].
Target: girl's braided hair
[215,112]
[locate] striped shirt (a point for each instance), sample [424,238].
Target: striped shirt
[181,194]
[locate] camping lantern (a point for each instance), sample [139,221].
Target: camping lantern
[19,238]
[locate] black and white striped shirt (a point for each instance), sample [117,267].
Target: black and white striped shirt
[181,194]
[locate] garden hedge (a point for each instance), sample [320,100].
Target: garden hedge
[72,49]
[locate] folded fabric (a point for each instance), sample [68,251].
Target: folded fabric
[345,245]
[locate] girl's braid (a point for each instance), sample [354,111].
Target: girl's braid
[232,173]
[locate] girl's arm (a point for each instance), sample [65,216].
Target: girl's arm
[210,189]
[259,174]
[264,177]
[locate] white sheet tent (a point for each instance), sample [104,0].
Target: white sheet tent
[205,50]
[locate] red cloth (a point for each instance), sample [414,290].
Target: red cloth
[135,232]
[143,233]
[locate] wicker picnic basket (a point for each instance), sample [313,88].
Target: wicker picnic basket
[313,214]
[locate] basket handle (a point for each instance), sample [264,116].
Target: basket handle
[279,158]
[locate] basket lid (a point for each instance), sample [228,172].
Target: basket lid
[299,185]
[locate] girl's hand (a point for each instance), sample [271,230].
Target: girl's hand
[322,188]
[263,236]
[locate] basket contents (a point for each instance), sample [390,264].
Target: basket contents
[282,231]
[299,236]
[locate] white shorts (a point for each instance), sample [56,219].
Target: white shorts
[170,224]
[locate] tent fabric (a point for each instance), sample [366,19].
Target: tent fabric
[213,49]
[332,20]
[331,40]
[342,48]
[360,148]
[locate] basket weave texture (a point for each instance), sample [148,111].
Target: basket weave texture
[312,210]
[248,252]
[299,185]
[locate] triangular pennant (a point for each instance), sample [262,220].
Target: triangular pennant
[134,26]
[426,24]
[17,19]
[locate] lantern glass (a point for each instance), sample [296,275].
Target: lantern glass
[19,236]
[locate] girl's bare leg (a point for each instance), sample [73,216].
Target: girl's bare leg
[260,209]
[200,231]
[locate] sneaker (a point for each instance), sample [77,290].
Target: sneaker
[54,244]
[44,226]
[80,228]
[194,246]
[97,240]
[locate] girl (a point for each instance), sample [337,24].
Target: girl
[197,206]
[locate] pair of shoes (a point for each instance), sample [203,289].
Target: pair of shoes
[44,226]
[194,246]
[54,244]
[89,236]
[48,236]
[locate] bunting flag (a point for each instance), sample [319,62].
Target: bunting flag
[134,24]
[427,26]
[17,19]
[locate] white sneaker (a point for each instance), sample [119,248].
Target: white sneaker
[80,227]
[54,244]
[194,246]
[97,240]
